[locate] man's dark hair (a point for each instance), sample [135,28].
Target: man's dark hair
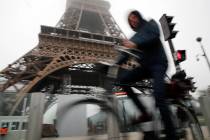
[141,19]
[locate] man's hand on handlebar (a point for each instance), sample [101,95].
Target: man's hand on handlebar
[108,63]
[129,44]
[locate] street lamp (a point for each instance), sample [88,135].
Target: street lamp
[199,39]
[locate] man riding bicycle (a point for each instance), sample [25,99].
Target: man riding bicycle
[153,65]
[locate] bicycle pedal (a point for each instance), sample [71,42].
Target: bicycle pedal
[181,133]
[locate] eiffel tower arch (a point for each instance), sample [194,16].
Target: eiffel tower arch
[84,35]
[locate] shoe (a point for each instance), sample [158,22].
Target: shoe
[142,118]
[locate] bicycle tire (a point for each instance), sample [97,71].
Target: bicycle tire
[103,106]
[192,123]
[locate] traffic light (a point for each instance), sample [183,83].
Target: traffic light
[167,27]
[180,55]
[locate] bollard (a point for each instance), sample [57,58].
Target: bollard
[35,116]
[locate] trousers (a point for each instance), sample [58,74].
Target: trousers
[157,73]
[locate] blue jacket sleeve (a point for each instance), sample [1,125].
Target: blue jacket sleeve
[122,58]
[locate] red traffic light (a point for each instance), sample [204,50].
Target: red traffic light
[181,55]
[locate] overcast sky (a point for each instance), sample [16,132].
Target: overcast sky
[21,20]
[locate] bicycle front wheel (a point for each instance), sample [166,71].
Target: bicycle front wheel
[188,125]
[105,124]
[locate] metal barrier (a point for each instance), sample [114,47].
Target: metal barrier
[16,127]
[25,127]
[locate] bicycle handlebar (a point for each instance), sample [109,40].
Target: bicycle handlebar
[130,51]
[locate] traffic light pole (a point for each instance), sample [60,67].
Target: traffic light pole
[177,66]
[204,53]
[167,26]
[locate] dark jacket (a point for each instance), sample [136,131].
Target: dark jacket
[147,38]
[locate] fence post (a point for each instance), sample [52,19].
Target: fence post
[35,116]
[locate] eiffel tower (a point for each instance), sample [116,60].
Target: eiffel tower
[84,35]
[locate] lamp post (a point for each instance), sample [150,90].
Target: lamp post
[199,39]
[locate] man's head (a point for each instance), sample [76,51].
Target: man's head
[135,20]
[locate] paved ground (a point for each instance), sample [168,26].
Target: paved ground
[128,136]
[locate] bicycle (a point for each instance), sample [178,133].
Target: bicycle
[187,124]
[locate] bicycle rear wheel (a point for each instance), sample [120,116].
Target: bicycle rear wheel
[188,125]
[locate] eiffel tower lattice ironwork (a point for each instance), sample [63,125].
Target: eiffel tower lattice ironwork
[83,36]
